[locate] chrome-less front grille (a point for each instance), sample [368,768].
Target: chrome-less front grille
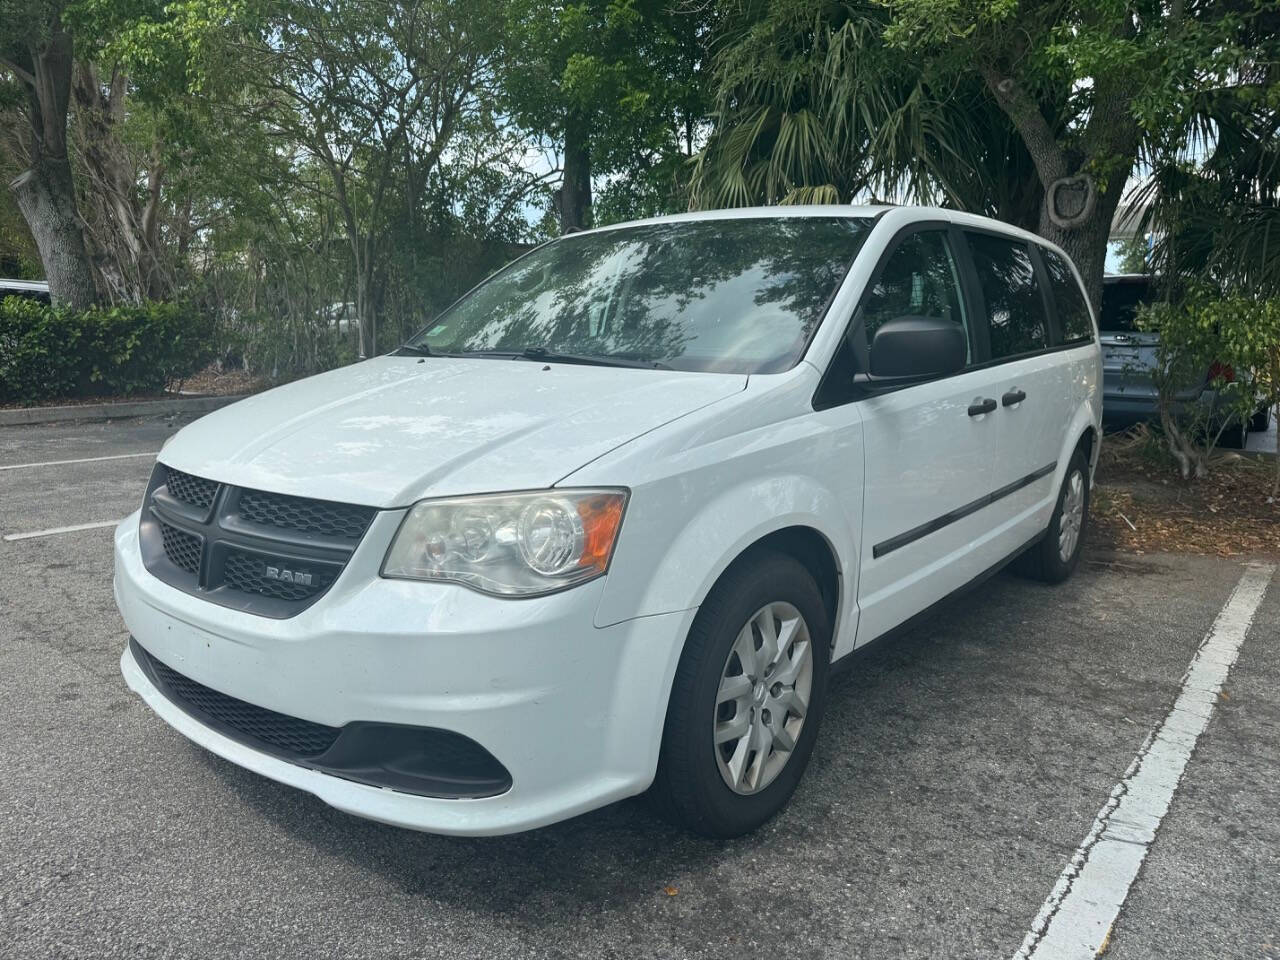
[182,549]
[196,491]
[306,516]
[266,553]
[248,573]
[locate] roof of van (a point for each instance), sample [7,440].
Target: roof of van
[847,210]
[757,213]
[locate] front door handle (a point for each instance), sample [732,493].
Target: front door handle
[978,408]
[1012,397]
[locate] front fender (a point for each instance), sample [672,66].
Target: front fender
[674,556]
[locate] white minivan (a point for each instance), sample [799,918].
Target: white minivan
[606,524]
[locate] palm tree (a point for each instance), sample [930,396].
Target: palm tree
[812,107]
[1212,198]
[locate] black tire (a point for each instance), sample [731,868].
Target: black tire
[1261,421]
[1235,436]
[1044,561]
[689,789]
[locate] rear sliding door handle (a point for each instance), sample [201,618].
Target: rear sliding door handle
[979,407]
[1012,397]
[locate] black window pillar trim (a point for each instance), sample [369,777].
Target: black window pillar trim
[1053,321]
[974,297]
[829,393]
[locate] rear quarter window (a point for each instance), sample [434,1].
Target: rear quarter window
[1068,298]
[1015,305]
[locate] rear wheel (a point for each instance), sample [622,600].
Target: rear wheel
[1235,436]
[747,699]
[1054,558]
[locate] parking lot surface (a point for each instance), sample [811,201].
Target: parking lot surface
[959,769]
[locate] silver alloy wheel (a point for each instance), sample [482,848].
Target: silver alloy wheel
[763,697]
[1072,516]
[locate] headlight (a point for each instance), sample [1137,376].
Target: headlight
[510,544]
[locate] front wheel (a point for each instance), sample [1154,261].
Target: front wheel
[747,699]
[1054,558]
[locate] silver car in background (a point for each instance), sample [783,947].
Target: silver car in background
[1130,356]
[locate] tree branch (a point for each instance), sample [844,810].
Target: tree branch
[1028,120]
[23,75]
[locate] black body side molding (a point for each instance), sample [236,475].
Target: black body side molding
[959,513]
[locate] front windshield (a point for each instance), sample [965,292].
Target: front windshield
[731,296]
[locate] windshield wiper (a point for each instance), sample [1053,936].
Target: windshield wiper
[552,356]
[414,350]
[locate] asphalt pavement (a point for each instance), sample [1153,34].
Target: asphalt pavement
[958,771]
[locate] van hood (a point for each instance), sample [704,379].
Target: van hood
[392,430]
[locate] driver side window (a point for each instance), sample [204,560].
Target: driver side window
[920,279]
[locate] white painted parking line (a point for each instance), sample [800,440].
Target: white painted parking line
[97,525]
[1076,919]
[59,463]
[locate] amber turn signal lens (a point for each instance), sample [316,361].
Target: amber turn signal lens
[601,517]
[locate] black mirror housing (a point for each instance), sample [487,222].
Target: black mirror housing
[915,348]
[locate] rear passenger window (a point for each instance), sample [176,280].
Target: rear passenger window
[1073,312]
[1015,306]
[919,279]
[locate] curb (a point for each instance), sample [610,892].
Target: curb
[114,411]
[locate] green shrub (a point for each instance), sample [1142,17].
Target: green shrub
[1238,333]
[49,353]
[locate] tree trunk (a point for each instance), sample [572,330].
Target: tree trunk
[573,199]
[1086,245]
[45,193]
[364,314]
[46,198]
[123,227]
[1075,212]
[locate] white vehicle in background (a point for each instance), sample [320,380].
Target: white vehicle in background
[341,317]
[28,289]
[605,525]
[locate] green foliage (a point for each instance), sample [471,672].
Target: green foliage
[987,105]
[49,353]
[1134,255]
[1203,332]
[624,78]
[1214,203]
[1249,332]
[19,259]
[815,105]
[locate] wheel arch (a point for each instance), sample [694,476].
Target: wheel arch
[677,568]
[808,546]
[1088,442]
[1083,434]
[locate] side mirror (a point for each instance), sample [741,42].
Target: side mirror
[916,348]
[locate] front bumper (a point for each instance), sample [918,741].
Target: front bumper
[572,711]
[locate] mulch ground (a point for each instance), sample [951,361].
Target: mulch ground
[1141,504]
[223,383]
